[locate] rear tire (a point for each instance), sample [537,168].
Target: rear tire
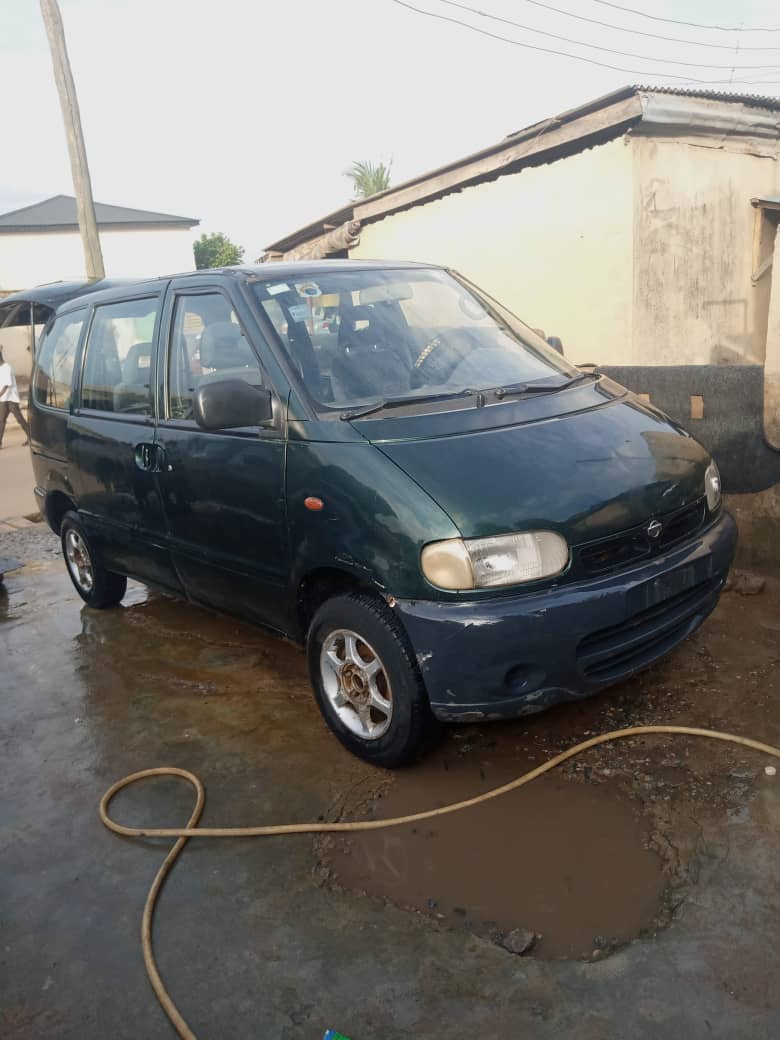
[367,683]
[97,586]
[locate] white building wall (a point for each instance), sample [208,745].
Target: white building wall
[16,351]
[31,258]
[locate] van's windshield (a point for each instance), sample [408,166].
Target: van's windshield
[363,336]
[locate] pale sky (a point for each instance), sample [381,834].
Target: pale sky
[245,113]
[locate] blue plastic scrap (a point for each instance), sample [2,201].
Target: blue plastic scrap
[333,1035]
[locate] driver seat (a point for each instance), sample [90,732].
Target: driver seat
[368,363]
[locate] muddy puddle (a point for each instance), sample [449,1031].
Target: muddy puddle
[567,860]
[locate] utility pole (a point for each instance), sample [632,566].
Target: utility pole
[85,206]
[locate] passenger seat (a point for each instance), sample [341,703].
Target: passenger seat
[224,350]
[136,379]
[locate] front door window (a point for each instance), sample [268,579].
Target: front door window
[207,345]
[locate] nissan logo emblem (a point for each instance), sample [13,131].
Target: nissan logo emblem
[654,528]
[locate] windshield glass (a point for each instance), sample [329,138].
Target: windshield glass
[362,336]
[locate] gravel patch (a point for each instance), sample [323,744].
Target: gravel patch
[29,544]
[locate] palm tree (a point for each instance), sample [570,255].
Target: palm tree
[368,178]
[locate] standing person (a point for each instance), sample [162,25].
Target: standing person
[9,399]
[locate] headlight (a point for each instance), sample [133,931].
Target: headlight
[712,487]
[507,559]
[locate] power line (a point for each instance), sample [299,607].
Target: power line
[734,66]
[639,32]
[677,21]
[576,57]
[596,47]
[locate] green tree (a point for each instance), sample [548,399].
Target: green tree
[216,250]
[368,178]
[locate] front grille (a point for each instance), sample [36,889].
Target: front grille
[609,554]
[682,525]
[612,653]
[613,553]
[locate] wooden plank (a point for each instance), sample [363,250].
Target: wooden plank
[546,139]
[762,268]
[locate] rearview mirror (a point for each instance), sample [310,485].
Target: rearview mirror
[231,403]
[385,292]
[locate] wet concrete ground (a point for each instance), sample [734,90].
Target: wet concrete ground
[673,841]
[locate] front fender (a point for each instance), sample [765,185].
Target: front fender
[374,521]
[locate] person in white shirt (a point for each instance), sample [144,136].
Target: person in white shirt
[9,399]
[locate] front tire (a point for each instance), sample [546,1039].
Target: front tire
[97,586]
[367,683]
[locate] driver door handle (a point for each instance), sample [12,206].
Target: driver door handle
[149,457]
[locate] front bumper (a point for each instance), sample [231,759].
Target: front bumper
[517,655]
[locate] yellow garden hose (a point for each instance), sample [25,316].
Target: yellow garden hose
[183,834]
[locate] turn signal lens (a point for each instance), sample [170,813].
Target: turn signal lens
[509,559]
[712,487]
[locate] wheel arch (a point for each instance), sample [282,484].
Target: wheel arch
[321,584]
[57,504]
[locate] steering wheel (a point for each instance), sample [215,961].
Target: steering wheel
[426,351]
[437,360]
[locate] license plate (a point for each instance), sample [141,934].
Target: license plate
[672,583]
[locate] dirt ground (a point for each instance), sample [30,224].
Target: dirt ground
[648,868]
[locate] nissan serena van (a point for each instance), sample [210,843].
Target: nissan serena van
[380,462]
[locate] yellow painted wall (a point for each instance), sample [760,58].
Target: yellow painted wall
[693,249]
[554,243]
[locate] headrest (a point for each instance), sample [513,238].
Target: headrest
[349,334]
[223,346]
[360,313]
[132,365]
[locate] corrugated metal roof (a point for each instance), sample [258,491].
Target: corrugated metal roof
[59,213]
[754,100]
[757,100]
[458,174]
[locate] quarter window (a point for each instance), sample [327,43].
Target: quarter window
[207,345]
[56,358]
[118,365]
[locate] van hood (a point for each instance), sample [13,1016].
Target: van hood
[586,474]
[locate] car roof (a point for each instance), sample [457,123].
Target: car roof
[43,300]
[270,272]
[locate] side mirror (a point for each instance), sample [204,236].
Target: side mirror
[556,343]
[231,403]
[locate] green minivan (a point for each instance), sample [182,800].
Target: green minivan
[380,462]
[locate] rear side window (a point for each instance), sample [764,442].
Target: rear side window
[56,358]
[118,363]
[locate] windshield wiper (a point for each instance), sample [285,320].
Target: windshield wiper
[541,388]
[397,402]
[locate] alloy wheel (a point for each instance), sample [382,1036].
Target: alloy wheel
[78,560]
[356,684]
